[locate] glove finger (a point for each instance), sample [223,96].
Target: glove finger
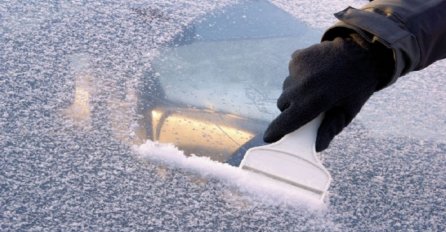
[284,101]
[335,120]
[280,126]
[288,121]
[332,124]
[288,82]
[291,92]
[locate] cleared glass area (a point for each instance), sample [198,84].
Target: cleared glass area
[223,75]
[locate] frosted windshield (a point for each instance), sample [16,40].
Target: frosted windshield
[93,114]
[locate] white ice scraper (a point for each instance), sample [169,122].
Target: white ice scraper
[291,162]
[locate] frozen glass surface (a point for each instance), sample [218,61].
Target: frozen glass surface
[79,101]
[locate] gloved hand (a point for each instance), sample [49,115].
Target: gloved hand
[336,77]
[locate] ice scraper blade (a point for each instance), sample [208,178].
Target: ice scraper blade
[291,163]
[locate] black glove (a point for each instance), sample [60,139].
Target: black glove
[336,77]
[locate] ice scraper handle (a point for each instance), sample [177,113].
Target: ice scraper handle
[291,163]
[302,140]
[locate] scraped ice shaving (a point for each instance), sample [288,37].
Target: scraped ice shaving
[268,192]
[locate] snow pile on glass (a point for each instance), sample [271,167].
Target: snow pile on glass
[73,89]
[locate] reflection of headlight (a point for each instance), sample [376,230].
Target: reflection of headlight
[81,102]
[80,109]
[206,132]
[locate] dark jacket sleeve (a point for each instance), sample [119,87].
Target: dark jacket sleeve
[414,29]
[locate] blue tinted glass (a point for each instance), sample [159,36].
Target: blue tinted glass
[250,20]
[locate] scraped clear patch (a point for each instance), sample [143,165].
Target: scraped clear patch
[228,68]
[267,192]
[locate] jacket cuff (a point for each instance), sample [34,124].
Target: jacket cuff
[375,27]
